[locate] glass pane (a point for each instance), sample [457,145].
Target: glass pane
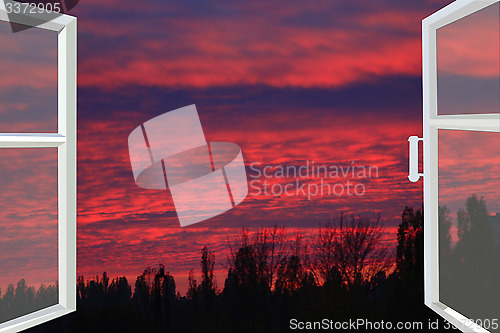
[28,231]
[28,80]
[469,222]
[468,64]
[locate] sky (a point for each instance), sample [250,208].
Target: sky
[329,83]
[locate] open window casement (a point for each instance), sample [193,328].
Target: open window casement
[461,142]
[37,168]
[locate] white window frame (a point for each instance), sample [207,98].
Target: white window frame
[65,141]
[432,123]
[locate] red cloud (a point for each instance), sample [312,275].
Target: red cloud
[254,49]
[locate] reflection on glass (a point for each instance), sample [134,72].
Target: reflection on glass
[469,222]
[28,231]
[28,80]
[468,64]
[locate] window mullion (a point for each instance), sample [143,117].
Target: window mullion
[486,122]
[31,140]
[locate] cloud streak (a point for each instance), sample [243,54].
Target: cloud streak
[303,45]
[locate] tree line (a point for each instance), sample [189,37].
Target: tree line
[22,299]
[345,270]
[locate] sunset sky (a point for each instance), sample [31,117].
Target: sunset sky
[334,82]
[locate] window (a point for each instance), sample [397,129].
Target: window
[37,168]
[461,82]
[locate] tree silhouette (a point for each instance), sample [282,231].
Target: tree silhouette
[409,252]
[269,246]
[207,286]
[352,245]
[407,285]
[472,271]
[192,291]
[444,232]
[292,275]
[244,275]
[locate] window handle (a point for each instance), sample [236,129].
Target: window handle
[414,175]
